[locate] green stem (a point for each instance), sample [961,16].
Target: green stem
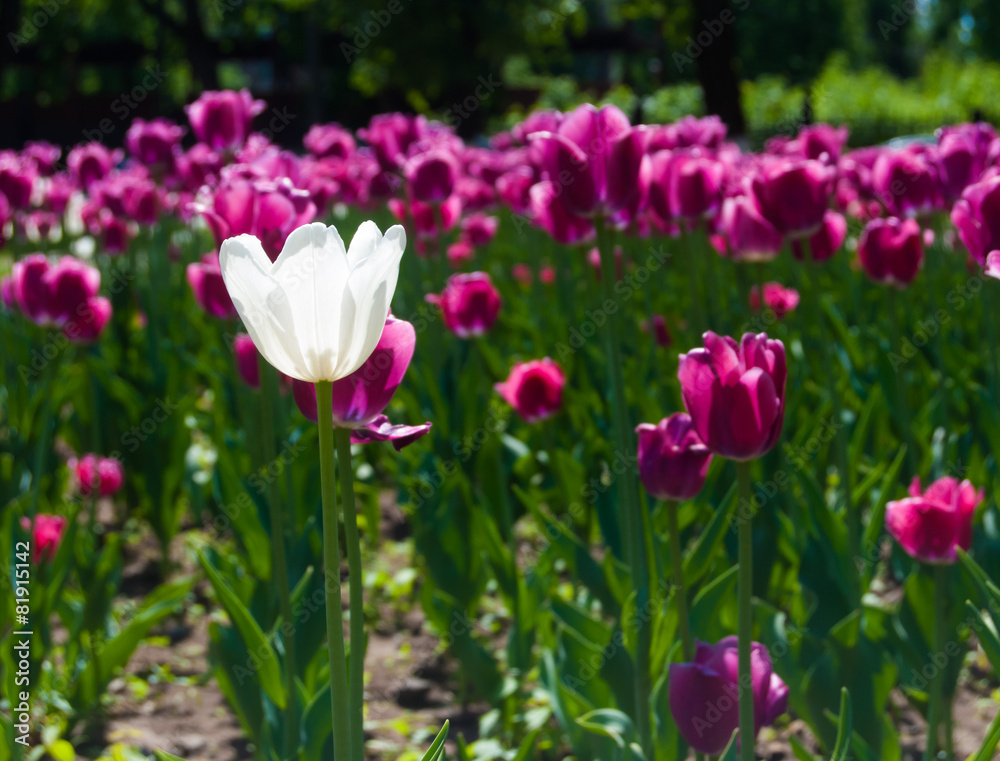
[937,684]
[269,393]
[44,439]
[698,308]
[745,610]
[904,406]
[632,520]
[761,306]
[331,558]
[357,660]
[680,588]
[991,337]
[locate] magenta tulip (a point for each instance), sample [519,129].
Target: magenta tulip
[479,229]
[91,162]
[891,251]
[329,141]
[431,176]
[906,182]
[685,184]
[47,533]
[793,195]
[155,143]
[548,212]
[18,177]
[750,236]
[931,525]
[43,154]
[819,141]
[534,389]
[826,241]
[360,398]
[777,298]
[469,304]
[704,694]
[96,475]
[735,393]
[221,119]
[205,279]
[976,217]
[594,158]
[993,264]
[673,461]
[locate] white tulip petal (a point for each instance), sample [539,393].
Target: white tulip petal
[318,312]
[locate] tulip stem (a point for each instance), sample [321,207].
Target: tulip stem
[904,407]
[632,522]
[269,392]
[331,558]
[680,588]
[698,308]
[991,336]
[342,436]
[937,684]
[745,612]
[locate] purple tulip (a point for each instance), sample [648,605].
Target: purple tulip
[793,195]
[685,184]
[826,241]
[906,182]
[704,695]
[91,162]
[594,158]
[205,279]
[391,135]
[735,393]
[534,389]
[673,461]
[18,176]
[819,140]
[548,212]
[469,304]
[360,398]
[930,525]
[221,118]
[977,217]
[750,236]
[891,251]
[155,143]
[432,175]
[43,154]
[329,141]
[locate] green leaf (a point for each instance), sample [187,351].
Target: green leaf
[987,634]
[843,744]
[162,755]
[697,563]
[253,637]
[609,723]
[988,748]
[436,751]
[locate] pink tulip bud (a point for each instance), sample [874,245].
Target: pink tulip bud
[534,389]
[777,298]
[47,534]
[360,398]
[522,274]
[205,279]
[735,393]
[891,251]
[96,475]
[977,217]
[931,525]
[657,325]
[704,695]
[460,252]
[469,304]
[673,461]
[221,119]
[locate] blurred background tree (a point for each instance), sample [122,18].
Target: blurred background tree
[78,69]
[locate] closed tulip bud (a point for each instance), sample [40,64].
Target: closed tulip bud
[360,398]
[657,325]
[906,182]
[221,119]
[96,475]
[534,389]
[735,393]
[154,143]
[317,312]
[91,162]
[432,175]
[891,251]
[47,533]
[469,304]
[480,229]
[548,211]
[826,241]
[18,176]
[704,695]
[329,141]
[209,289]
[931,525]
[29,288]
[673,461]
[977,217]
[793,195]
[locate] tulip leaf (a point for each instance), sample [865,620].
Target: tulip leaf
[436,750]
[844,729]
[269,671]
[697,563]
[709,602]
[800,751]
[987,634]
[609,723]
[730,754]
[988,749]
[162,755]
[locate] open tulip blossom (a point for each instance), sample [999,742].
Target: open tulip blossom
[318,311]
[673,461]
[932,524]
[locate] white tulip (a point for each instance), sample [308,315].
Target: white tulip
[318,311]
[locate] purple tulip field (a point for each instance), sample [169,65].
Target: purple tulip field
[587,440]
